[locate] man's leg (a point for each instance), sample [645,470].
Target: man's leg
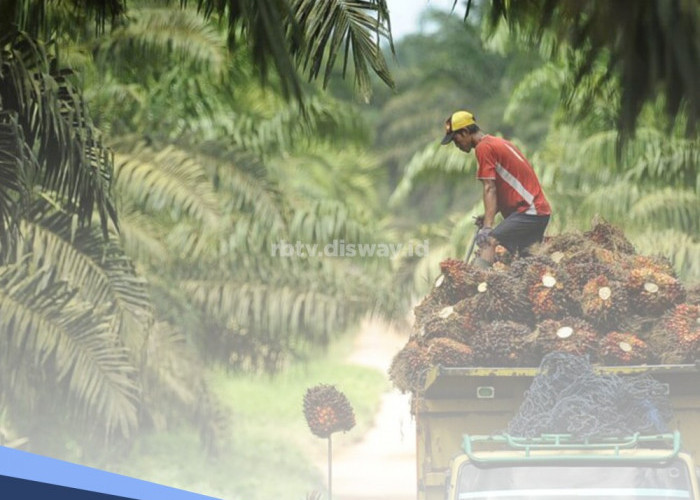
[519,231]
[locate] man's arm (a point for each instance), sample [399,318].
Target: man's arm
[490,201]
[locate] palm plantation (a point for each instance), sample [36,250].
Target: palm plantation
[143,191]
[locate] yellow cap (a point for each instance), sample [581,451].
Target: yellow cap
[458,121]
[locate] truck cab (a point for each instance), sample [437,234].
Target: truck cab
[638,467]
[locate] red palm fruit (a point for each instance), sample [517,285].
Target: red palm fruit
[457,281]
[454,322]
[604,302]
[564,243]
[683,323]
[570,334]
[651,292]
[498,299]
[504,343]
[580,273]
[449,352]
[550,294]
[590,253]
[521,269]
[409,366]
[618,348]
[609,237]
[658,264]
[327,410]
[424,311]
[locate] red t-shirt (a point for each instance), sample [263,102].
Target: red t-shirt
[517,186]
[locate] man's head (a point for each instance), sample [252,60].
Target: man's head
[459,128]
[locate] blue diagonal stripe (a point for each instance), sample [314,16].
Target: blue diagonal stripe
[36,468]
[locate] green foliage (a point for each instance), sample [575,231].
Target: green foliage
[47,116]
[649,47]
[436,161]
[330,26]
[52,337]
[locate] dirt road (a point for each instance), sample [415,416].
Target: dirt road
[382,465]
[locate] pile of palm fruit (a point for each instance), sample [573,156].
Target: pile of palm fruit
[581,293]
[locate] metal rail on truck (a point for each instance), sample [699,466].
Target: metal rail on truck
[661,447]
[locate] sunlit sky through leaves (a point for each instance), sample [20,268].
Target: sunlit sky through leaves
[405,14]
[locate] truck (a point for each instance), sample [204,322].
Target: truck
[462,453]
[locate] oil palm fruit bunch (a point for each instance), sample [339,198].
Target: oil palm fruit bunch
[454,322]
[652,292]
[502,256]
[448,352]
[521,268]
[427,308]
[580,273]
[618,348]
[497,298]
[327,410]
[590,253]
[570,334]
[456,281]
[504,343]
[604,302]
[408,367]
[692,296]
[657,263]
[550,293]
[559,246]
[683,323]
[609,237]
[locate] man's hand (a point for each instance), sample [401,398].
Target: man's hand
[482,237]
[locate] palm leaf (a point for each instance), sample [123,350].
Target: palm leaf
[341,25]
[47,328]
[72,161]
[434,159]
[100,270]
[169,180]
[17,165]
[668,207]
[165,36]
[667,58]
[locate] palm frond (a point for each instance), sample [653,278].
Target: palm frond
[667,59]
[143,240]
[268,321]
[337,26]
[39,18]
[165,36]
[540,84]
[434,159]
[47,329]
[324,221]
[668,207]
[98,269]
[56,126]
[17,166]
[268,29]
[168,181]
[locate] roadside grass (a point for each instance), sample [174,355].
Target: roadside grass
[271,453]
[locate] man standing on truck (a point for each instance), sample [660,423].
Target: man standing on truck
[510,186]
